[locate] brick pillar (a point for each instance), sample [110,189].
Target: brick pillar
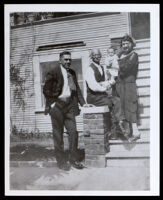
[96,131]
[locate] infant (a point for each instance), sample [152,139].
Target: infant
[111,63]
[111,70]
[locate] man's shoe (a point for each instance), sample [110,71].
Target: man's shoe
[77,165]
[64,166]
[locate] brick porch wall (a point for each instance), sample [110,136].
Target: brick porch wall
[96,131]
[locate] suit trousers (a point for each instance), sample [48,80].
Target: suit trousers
[62,115]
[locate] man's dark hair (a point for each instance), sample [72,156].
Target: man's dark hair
[64,53]
[127,38]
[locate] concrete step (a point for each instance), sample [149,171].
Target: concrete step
[134,162]
[39,164]
[144,137]
[115,154]
[129,147]
[140,141]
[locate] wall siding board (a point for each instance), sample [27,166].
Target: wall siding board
[52,36]
[73,24]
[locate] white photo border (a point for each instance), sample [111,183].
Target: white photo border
[154,92]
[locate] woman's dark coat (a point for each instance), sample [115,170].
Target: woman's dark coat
[126,86]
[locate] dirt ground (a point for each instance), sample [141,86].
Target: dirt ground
[130,178]
[52,178]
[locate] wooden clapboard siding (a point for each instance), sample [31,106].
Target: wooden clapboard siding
[144,65]
[143,91]
[143,84]
[73,25]
[44,124]
[143,73]
[94,32]
[144,43]
[66,37]
[76,29]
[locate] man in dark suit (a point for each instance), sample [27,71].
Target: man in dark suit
[63,94]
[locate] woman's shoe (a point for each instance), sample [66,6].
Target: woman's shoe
[123,131]
[134,138]
[113,137]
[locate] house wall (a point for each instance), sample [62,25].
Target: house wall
[94,32]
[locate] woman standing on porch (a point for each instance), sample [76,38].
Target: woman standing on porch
[126,83]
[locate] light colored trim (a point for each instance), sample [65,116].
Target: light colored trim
[83,55]
[116,35]
[40,110]
[144,40]
[129,23]
[37,82]
[100,109]
[85,65]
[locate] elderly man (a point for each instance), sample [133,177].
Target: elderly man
[97,87]
[62,95]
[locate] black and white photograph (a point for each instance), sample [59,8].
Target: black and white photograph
[82,99]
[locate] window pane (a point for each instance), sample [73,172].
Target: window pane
[77,67]
[140,25]
[45,67]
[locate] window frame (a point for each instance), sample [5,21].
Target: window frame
[130,26]
[37,59]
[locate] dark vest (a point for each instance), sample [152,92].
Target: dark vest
[98,78]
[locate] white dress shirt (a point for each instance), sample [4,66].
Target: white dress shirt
[66,92]
[91,81]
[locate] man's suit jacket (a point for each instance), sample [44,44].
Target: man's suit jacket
[53,88]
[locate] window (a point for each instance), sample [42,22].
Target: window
[43,63]
[77,66]
[140,25]
[44,68]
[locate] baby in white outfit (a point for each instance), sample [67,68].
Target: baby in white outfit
[111,63]
[111,69]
